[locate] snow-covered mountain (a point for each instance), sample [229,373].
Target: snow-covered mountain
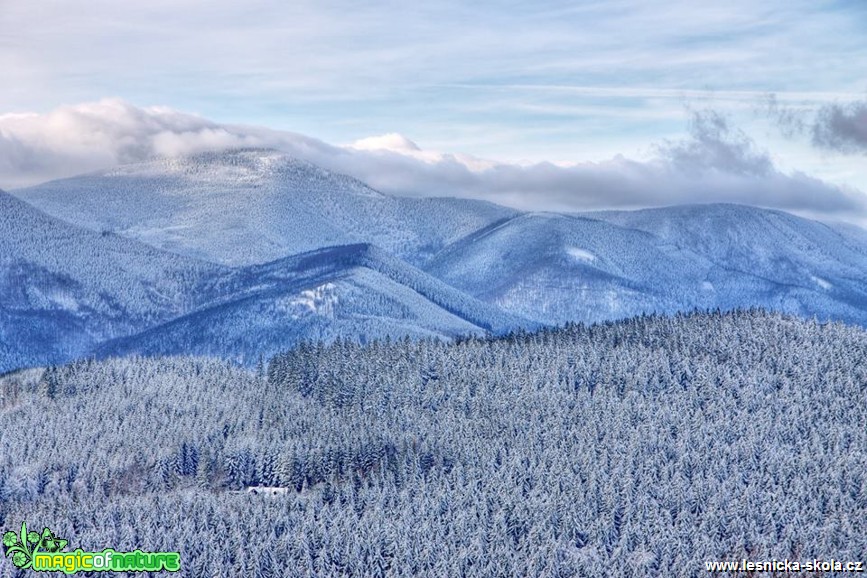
[766,258]
[64,288]
[356,291]
[607,265]
[557,268]
[68,292]
[247,207]
[287,252]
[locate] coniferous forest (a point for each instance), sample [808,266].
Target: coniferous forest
[644,447]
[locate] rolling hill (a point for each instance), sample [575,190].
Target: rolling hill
[766,258]
[357,291]
[595,266]
[63,288]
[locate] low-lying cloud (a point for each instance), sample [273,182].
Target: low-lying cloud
[87,137]
[715,163]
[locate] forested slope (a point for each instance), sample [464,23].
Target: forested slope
[638,448]
[611,265]
[64,288]
[356,292]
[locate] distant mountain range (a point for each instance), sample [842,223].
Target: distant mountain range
[63,288]
[556,268]
[244,253]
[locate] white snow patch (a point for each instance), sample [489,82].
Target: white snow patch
[612,300]
[821,282]
[64,300]
[581,254]
[707,286]
[320,300]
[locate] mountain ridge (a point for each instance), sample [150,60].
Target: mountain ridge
[320,295]
[253,206]
[352,262]
[64,288]
[677,258]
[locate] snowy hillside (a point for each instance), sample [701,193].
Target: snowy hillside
[63,288]
[357,292]
[595,266]
[764,257]
[253,206]
[68,292]
[558,268]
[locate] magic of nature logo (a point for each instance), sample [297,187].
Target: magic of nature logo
[45,552]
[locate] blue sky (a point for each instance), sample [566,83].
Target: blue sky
[516,82]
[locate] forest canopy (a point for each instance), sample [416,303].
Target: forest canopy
[643,447]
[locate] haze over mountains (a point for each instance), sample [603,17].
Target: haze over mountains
[244,253]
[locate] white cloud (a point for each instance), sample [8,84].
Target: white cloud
[388,142]
[501,79]
[715,163]
[86,137]
[396,143]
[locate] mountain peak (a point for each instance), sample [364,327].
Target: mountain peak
[247,206]
[241,165]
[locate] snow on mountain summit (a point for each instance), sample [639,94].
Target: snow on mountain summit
[251,206]
[255,167]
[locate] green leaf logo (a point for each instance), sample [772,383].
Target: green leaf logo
[50,542]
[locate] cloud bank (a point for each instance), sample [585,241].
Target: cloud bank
[87,137]
[714,163]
